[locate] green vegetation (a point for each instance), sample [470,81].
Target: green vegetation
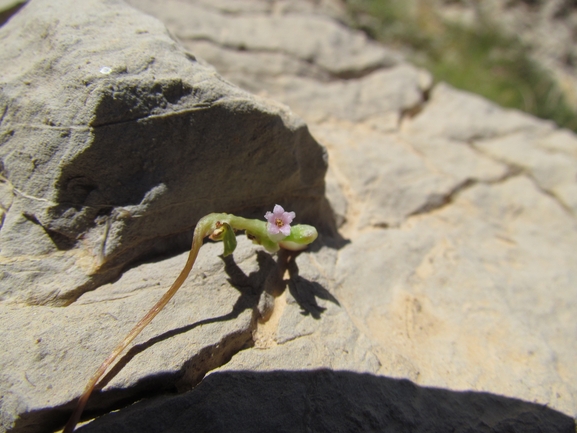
[482,59]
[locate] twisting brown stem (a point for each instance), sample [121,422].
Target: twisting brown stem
[203,229]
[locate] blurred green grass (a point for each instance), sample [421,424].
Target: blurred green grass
[482,59]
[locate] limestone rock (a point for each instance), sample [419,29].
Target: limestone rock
[313,38]
[488,269]
[448,305]
[54,351]
[548,158]
[395,176]
[456,241]
[461,116]
[115,141]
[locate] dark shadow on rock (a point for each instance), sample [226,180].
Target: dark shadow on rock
[305,292]
[10,11]
[328,401]
[326,224]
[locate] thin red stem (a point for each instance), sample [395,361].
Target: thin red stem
[203,229]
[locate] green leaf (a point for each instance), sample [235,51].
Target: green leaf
[229,240]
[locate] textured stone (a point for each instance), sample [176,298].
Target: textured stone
[54,351]
[459,115]
[390,176]
[310,37]
[116,141]
[308,328]
[548,158]
[389,91]
[481,294]
[448,306]
[328,401]
[454,293]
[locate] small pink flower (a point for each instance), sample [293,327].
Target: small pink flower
[279,221]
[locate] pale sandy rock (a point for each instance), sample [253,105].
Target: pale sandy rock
[254,70]
[387,92]
[308,89]
[390,176]
[322,372]
[309,329]
[481,298]
[302,57]
[459,294]
[313,38]
[386,179]
[549,159]
[560,140]
[6,197]
[460,115]
[320,7]
[457,159]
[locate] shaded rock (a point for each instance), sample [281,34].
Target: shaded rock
[327,400]
[9,8]
[116,141]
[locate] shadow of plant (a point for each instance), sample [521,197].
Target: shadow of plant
[306,292]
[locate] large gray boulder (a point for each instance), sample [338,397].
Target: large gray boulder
[114,141]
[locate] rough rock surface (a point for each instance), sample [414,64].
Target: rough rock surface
[115,141]
[450,305]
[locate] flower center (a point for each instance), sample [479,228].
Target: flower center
[279,223]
